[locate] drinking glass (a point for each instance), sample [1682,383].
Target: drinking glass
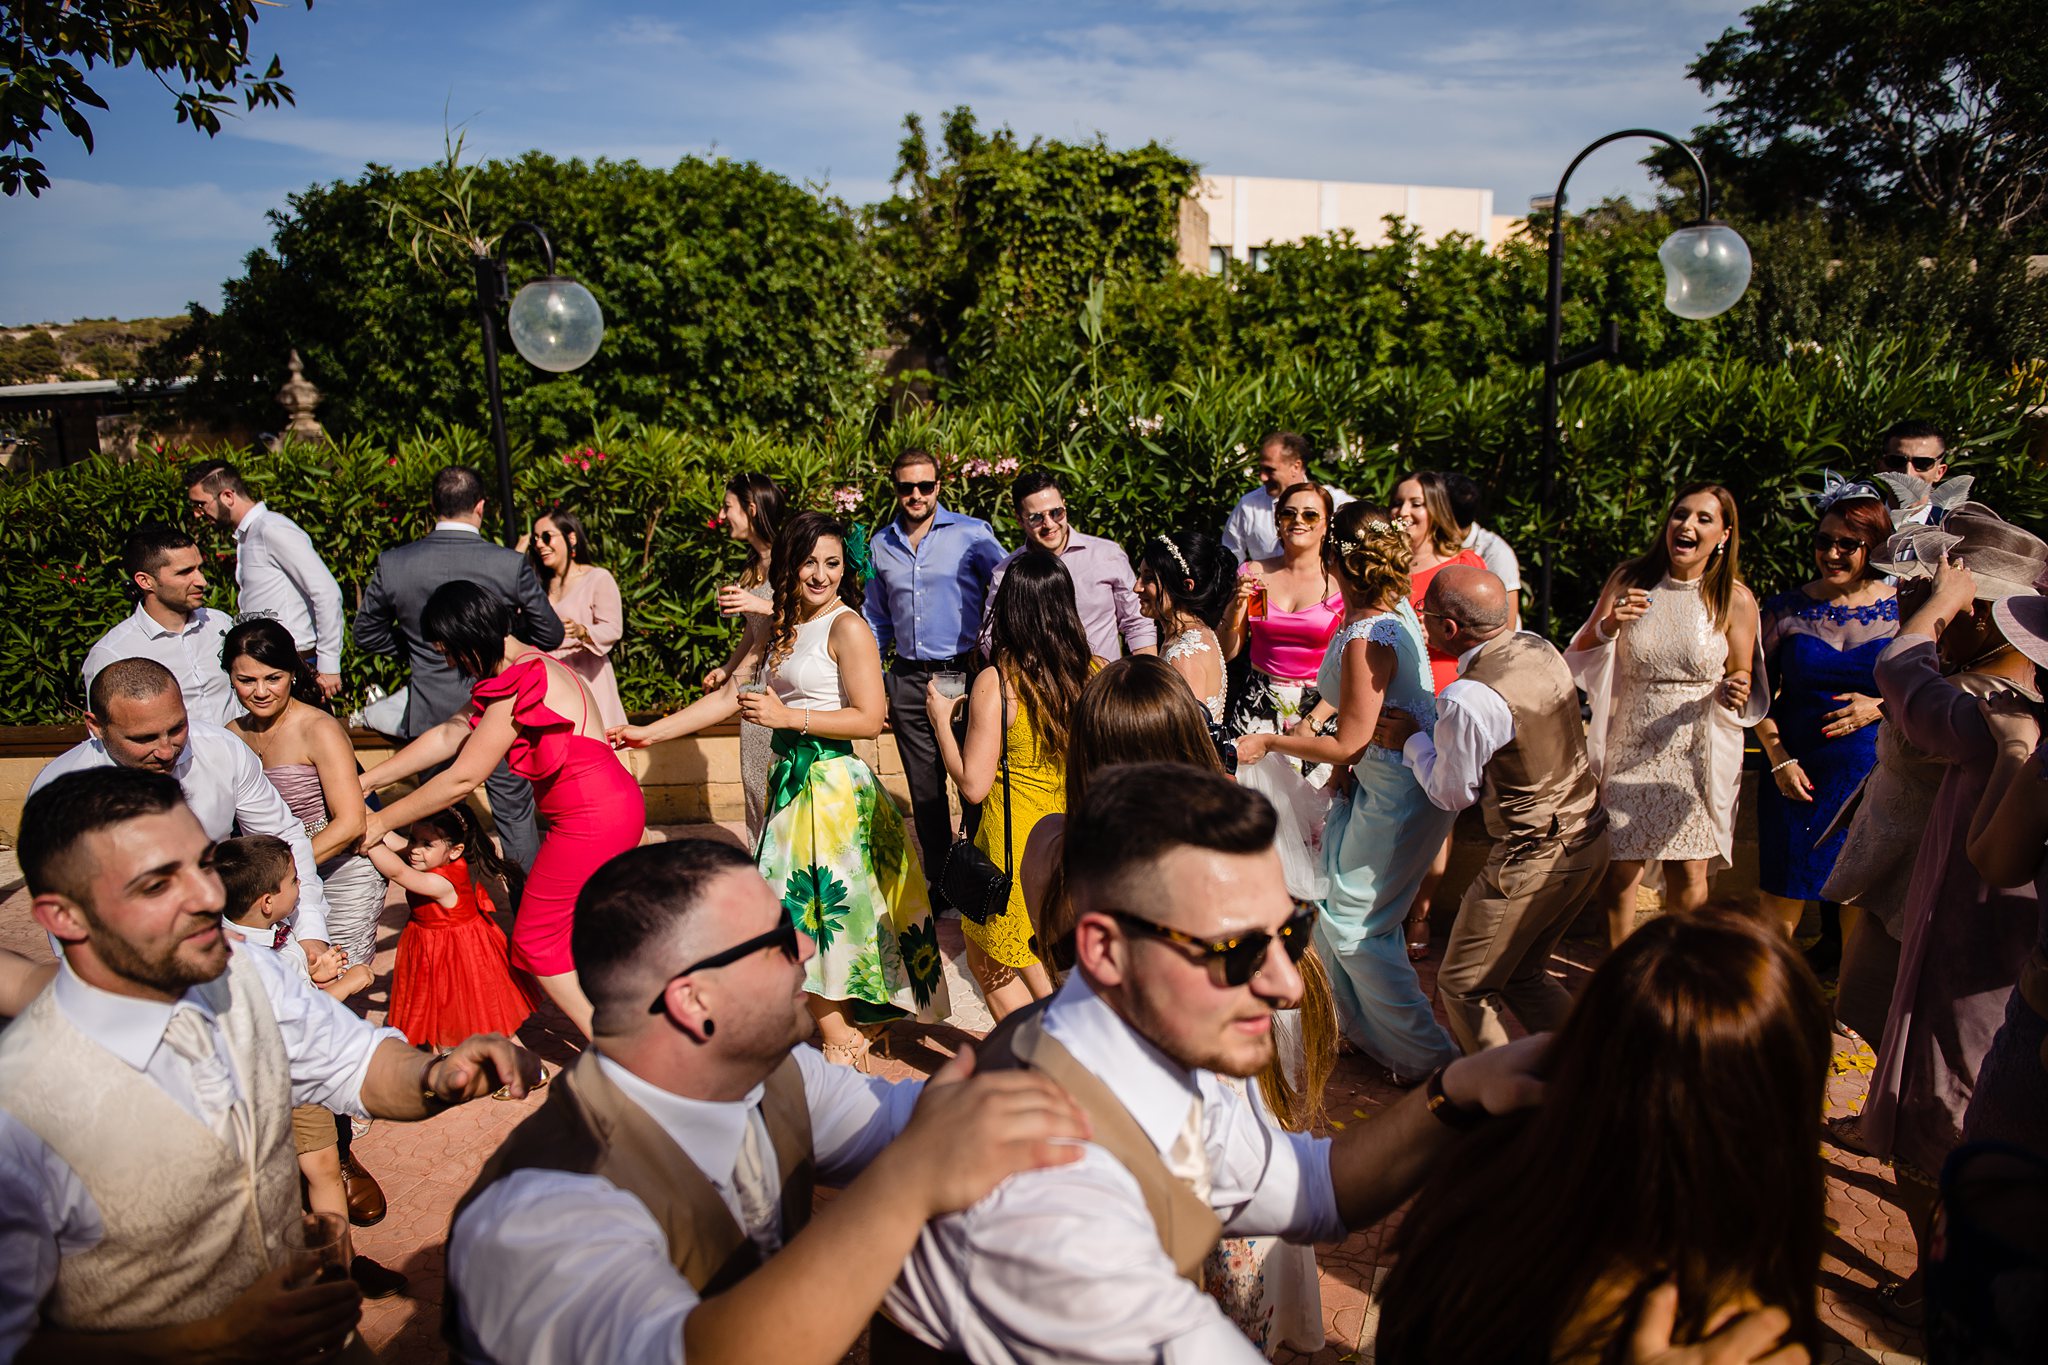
[754,682]
[950,684]
[316,1249]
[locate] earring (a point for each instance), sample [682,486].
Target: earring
[709,1028]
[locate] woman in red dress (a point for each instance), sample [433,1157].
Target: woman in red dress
[533,713]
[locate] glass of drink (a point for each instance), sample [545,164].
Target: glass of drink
[1255,609]
[950,684]
[756,681]
[316,1250]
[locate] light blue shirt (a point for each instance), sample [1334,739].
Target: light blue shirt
[927,602]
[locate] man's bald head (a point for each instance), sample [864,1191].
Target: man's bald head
[140,680]
[1472,598]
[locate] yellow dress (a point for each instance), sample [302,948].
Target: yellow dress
[1038,788]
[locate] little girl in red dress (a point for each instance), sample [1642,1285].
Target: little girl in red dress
[452,978]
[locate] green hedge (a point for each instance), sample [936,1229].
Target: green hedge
[1137,460]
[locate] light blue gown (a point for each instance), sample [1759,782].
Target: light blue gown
[1377,847]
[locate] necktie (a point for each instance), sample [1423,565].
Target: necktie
[191,1037]
[1188,1159]
[277,940]
[758,1211]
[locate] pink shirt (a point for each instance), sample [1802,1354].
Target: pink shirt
[592,598]
[1290,644]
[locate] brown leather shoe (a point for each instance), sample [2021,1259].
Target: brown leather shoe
[376,1281]
[365,1195]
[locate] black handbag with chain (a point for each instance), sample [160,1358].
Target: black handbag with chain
[969,879]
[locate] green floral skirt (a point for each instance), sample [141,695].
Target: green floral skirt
[834,846]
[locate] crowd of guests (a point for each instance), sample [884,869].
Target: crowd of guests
[1133,777]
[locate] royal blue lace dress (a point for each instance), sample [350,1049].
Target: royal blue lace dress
[1814,652]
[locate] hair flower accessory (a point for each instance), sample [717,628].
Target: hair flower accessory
[1836,489]
[1346,547]
[1178,559]
[1378,527]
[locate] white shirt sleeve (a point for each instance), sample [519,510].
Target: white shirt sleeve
[553,1268]
[259,809]
[1472,723]
[294,552]
[326,1044]
[853,1117]
[1234,531]
[45,1215]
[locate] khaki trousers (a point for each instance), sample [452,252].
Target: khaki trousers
[1511,918]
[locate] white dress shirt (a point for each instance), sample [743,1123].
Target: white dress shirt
[1498,556]
[554,1267]
[278,572]
[1064,1264]
[45,1210]
[225,786]
[1472,723]
[192,654]
[1250,533]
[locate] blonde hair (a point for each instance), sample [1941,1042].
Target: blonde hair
[1436,504]
[1370,553]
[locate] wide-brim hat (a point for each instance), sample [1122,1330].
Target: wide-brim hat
[2023,621]
[2006,560]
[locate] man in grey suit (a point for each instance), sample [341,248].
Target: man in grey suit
[389,623]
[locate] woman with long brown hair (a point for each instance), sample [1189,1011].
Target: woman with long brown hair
[1422,507]
[1670,663]
[1286,610]
[833,845]
[752,514]
[1678,1142]
[1139,710]
[1017,721]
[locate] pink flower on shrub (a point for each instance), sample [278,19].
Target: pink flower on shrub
[714,523]
[1007,465]
[845,498]
[391,461]
[977,468]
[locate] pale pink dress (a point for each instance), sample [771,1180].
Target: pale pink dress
[592,599]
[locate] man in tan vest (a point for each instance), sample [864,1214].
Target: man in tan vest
[146,1168]
[1185,942]
[1508,736]
[658,1207]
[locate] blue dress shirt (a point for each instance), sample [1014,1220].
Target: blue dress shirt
[927,602]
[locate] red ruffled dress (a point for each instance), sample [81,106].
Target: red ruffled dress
[452,978]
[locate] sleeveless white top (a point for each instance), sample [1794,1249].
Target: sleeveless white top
[807,676]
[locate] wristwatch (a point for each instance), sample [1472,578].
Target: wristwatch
[1447,1111]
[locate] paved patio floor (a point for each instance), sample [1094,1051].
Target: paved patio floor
[425,1168]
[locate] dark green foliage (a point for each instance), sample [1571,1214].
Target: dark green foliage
[31,359]
[732,299]
[202,43]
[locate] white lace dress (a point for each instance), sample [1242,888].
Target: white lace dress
[1196,639]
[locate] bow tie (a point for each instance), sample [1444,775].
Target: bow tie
[278,939]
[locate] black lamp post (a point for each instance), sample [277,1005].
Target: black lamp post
[555,324]
[1706,269]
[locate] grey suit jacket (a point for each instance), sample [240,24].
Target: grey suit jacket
[389,621]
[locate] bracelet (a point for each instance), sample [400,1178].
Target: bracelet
[1600,630]
[807,720]
[1447,1111]
[1778,767]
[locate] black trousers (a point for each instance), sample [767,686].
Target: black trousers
[925,772]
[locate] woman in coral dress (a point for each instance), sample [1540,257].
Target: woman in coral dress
[530,712]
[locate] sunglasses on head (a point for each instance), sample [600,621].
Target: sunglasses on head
[905,487]
[1307,516]
[1241,957]
[1848,545]
[782,936]
[1920,464]
[1050,514]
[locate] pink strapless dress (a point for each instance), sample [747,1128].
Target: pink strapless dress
[592,805]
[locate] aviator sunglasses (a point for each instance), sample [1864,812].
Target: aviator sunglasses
[1241,957]
[782,936]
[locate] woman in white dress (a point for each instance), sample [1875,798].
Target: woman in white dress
[1670,662]
[1186,581]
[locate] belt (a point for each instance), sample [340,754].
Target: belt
[958,663]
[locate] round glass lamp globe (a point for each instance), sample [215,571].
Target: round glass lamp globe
[556,324]
[1706,269]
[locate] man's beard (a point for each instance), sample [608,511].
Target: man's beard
[166,972]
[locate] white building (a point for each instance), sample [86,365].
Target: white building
[1247,213]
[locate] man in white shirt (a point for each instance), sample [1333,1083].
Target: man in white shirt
[170,623]
[277,571]
[128,1231]
[1493,551]
[1508,736]
[1283,462]
[137,719]
[1185,941]
[658,1207]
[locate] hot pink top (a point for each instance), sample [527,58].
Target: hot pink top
[1290,644]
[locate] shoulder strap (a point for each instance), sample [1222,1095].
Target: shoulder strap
[1003,766]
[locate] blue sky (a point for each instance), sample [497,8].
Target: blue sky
[1447,92]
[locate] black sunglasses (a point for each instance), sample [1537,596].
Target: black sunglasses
[1848,545]
[1241,957]
[1920,463]
[926,486]
[545,537]
[783,936]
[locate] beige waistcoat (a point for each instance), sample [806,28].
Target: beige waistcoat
[189,1223]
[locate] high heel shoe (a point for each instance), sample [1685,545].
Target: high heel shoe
[854,1054]
[1417,934]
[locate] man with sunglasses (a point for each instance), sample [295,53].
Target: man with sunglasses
[1508,738]
[1251,533]
[658,1206]
[1920,450]
[930,583]
[1185,942]
[1105,587]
